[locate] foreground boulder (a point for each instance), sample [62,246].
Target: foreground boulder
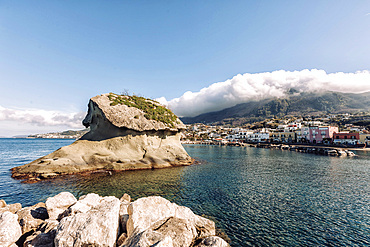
[126,133]
[212,241]
[156,219]
[58,204]
[107,222]
[10,230]
[30,218]
[43,236]
[13,208]
[97,227]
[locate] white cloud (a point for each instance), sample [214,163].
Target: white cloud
[42,117]
[162,100]
[246,87]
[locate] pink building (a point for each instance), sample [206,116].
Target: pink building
[322,134]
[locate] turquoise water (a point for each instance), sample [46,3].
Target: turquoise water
[258,197]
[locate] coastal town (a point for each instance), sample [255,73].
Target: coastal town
[330,130]
[310,130]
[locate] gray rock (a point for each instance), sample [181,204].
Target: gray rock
[166,242]
[212,241]
[97,227]
[48,225]
[13,208]
[205,227]
[181,231]
[146,211]
[123,216]
[10,230]
[125,198]
[121,239]
[90,200]
[58,204]
[148,238]
[157,218]
[84,204]
[2,203]
[30,218]
[40,239]
[44,235]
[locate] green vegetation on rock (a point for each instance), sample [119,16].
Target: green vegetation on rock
[152,109]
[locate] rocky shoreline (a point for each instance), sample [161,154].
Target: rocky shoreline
[93,220]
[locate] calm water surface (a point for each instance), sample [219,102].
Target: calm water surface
[258,197]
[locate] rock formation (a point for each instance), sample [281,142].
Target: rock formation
[126,133]
[106,221]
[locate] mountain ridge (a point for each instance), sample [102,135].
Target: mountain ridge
[294,103]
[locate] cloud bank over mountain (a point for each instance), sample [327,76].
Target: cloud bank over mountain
[42,117]
[239,89]
[246,87]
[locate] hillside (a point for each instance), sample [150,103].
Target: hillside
[294,104]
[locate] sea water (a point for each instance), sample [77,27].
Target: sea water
[258,197]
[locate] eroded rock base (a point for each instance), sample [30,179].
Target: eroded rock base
[122,153]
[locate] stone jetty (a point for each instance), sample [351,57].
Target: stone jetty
[98,221]
[308,149]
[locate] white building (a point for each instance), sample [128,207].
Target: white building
[259,136]
[292,127]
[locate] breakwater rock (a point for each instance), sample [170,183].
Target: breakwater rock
[126,133]
[331,151]
[97,221]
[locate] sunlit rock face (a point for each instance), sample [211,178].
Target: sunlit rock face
[93,220]
[126,133]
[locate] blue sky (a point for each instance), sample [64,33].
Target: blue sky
[55,55]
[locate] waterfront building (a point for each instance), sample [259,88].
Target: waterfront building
[287,136]
[322,134]
[303,134]
[259,136]
[283,136]
[351,138]
[364,138]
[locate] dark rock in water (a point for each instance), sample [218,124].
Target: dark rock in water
[126,133]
